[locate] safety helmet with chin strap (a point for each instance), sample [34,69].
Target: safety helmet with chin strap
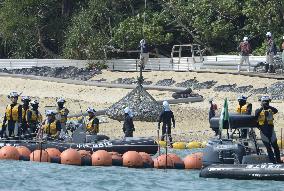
[26,98]
[242,97]
[91,110]
[34,102]
[61,100]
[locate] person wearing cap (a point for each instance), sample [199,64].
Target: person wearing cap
[25,108]
[50,126]
[144,52]
[265,119]
[62,112]
[167,117]
[93,122]
[245,49]
[282,49]
[128,125]
[13,116]
[34,117]
[270,52]
[244,108]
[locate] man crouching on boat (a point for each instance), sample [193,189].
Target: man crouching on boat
[50,127]
[264,116]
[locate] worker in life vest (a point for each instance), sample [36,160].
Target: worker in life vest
[25,108]
[62,113]
[167,117]
[13,117]
[265,118]
[244,108]
[92,126]
[245,49]
[34,117]
[128,125]
[50,126]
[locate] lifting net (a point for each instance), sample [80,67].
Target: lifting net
[143,106]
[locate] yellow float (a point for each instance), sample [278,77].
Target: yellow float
[194,145]
[179,145]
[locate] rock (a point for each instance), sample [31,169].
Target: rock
[225,88]
[165,82]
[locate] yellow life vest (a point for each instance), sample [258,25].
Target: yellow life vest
[92,128]
[50,128]
[24,113]
[261,117]
[63,114]
[12,113]
[243,109]
[36,117]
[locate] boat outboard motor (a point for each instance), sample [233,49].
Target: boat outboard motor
[224,151]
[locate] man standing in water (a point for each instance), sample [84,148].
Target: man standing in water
[128,126]
[167,117]
[13,116]
[264,116]
[245,49]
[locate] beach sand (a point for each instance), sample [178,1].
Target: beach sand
[191,118]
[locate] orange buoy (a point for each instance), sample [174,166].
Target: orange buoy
[193,161]
[39,156]
[24,151]
[178,162]
[84,153]
[101,158]
[9,153]
[70,157]
[132,159]
[53,152]
[147,159]
[163,161]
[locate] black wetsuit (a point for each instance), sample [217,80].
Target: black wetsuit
[269,139]
[211,111]
[167,117]
[128,126]
[24,120]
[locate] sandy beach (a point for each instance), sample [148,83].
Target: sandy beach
[191,119]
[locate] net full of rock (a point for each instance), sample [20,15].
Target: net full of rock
[69,72]
[165,82]
[225,88]
[204,85]
[243,89]
[187,83]
[143,106]
[129,81]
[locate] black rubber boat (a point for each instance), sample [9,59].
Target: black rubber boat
[236,157]
[117,145]
[244,171]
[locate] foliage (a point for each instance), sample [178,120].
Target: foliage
[83,29]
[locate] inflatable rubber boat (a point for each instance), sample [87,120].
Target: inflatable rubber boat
[117,145]
[237,157]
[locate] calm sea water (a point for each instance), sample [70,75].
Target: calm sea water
[20,175]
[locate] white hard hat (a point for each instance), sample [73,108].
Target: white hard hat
[165,103]
[34,102]
[242,97]
[265,98]
[91,110]
[268,34]
[142,41]
[13,94]
[245,38]
[26,98]
[61,100]
[50,112]
[126,110]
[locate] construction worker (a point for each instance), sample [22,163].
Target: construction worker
[13,116]
[265,120]
[167,117]
[128,126]
[245,49]
[144,53]
[271,51]
[62,113]
[93,122]
[25,108]
[213,108]
[34,117]
[51,127]
[244,108]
